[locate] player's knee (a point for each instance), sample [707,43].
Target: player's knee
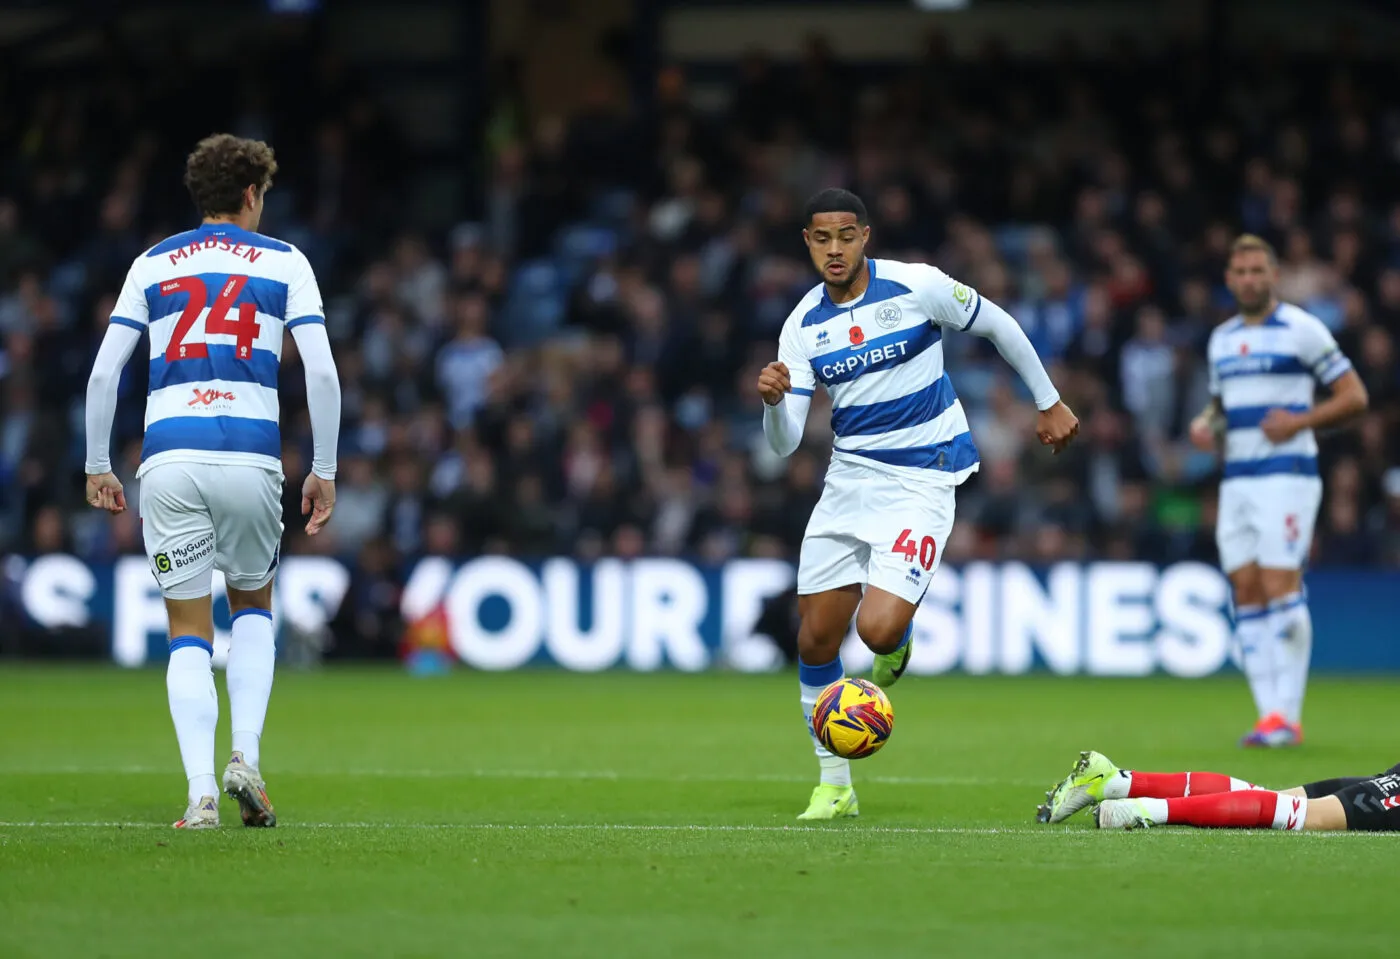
[815,649]
[882,634]
[1278,583]
[190,617]
[1249,592]
[241,599]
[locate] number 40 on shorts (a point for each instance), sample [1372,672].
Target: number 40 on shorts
[927,549]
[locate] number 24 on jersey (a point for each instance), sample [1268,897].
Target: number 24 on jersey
[245,328]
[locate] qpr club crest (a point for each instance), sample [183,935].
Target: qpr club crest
[888,316]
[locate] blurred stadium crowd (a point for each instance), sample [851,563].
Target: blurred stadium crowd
[571,371]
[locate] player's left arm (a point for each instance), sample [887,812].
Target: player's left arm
[963,308]
[307,323]
[1347,397]
[129,320]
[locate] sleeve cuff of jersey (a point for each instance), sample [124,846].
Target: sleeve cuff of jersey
[799,391]
[1334,372]
[324,473]
[136,325]
[293,324]
[973,319]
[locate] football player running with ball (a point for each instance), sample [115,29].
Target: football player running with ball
[871,333]
[1130,799]
[213,303]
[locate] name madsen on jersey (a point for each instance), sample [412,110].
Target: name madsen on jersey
[241,250]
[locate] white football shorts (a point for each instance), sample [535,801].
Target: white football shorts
[875,529]
[198,517]
[1267,520]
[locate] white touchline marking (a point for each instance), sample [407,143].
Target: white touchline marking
[566,827]
[564,774]
[847,828]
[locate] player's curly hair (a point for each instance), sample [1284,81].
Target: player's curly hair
[221,167]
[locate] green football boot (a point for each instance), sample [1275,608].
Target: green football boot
[890,666]
[1082,787]
[832,802]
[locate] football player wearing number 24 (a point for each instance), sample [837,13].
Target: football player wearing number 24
[214,302]
[871,334]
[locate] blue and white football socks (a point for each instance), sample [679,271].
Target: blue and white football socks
[1258,656]
[1291,624]
[835,770]
[194,706]
[251,654]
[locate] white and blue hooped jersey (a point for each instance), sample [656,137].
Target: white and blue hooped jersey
[215,301]
[1257,367]
[880,357]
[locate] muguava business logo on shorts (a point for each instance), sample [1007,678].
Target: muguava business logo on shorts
[181,556]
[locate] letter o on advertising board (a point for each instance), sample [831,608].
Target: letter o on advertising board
[519,640]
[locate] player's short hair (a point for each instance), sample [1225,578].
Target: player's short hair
[836,200]
[1249,243]
[221,167]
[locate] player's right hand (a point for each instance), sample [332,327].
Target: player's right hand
[104,491]
[318,499]
[1203,435]
[773,382]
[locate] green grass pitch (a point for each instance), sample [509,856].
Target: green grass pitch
[546,814]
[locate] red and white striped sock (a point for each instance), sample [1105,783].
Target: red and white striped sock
[1139,785]
[1245,809]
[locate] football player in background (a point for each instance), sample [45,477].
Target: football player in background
[1264,364]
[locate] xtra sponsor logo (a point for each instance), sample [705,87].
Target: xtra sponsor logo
[210,397]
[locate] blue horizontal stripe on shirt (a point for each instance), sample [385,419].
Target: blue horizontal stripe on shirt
[950,456]
[1290,465]
[226,434]
[127,321]
[269,296]
[1260,364]
[897,414]
[881,353]
[1250,417]
[293,324]
[222,363]
[800,391]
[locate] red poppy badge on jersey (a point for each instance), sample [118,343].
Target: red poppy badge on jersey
[1244,348]
[857,337]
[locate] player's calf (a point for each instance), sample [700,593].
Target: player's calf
[883,621]
[1247,809]
[885,624]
